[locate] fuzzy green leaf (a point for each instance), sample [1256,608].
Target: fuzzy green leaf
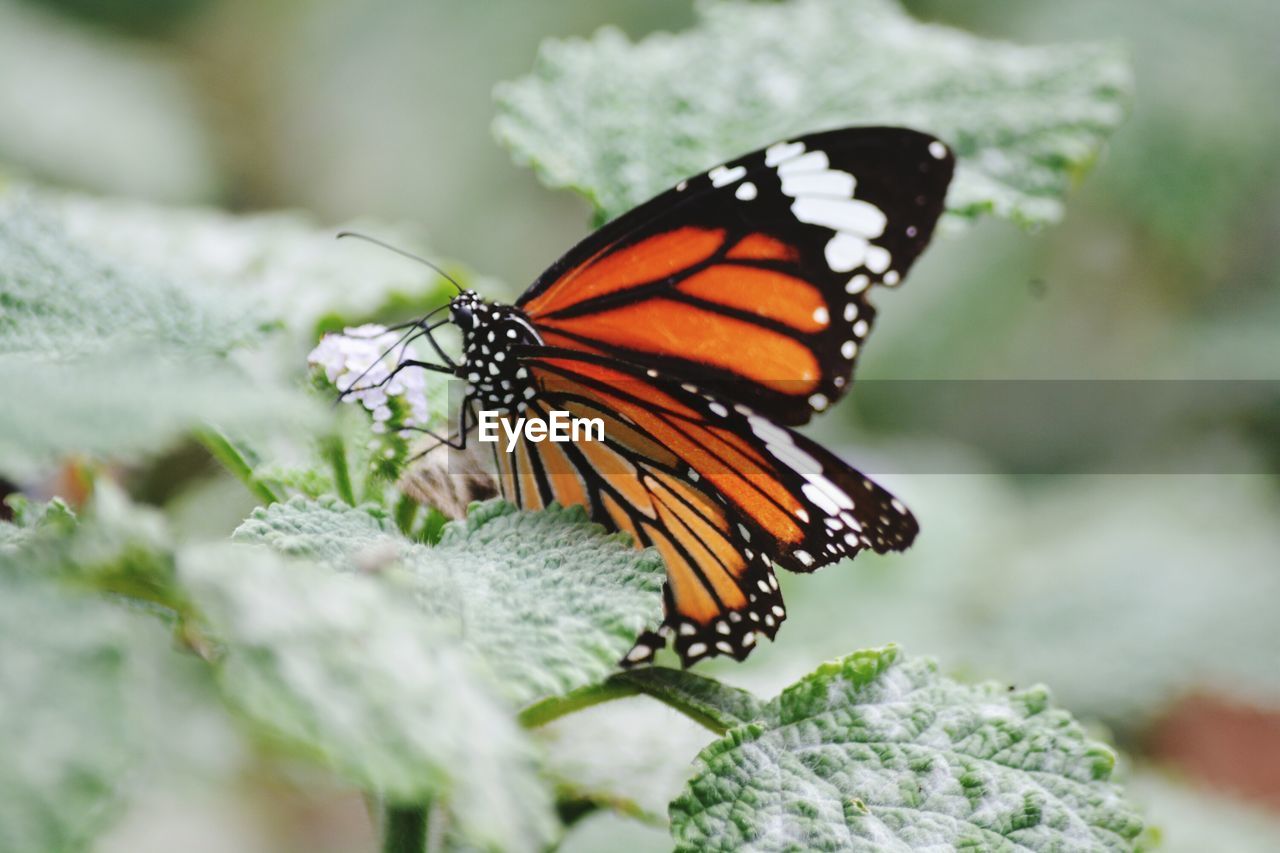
[32,520]
[284,267]
[877,752]
[619,122]
[80,697]
[549,600]
[1012,588]
[99,357]
[344,668]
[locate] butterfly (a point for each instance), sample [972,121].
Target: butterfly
[700,328]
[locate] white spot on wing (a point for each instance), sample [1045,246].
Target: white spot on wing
[746,191]
[848,214]
[832,183]
[937,149]
[857,284]
[820,498]
[639,652]
[845,252]
[768,431]
[781,152]
[814,161]
[877,259]
[722,175]
[833,492]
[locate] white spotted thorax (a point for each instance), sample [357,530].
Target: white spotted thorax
[363,358]
[489,332]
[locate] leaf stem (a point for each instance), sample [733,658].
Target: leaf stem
[696,707]
[404,829]
[225,451]
[541,713]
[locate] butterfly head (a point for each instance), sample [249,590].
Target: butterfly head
[465,310]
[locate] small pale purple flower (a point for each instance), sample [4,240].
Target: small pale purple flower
[363,358]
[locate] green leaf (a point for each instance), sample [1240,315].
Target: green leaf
[619,122]
[102,358]
[1039,585]
[33,519]
[344,667]
[81,681]
[878,752]
[111,546]
[630,754]
[549,600]
[285,268]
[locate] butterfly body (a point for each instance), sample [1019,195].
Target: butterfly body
[700,328]
[491,337]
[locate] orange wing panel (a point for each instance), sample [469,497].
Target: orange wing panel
[650,259]
[762,247]
[766,293]
[669,328]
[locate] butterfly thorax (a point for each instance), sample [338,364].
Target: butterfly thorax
[492,337]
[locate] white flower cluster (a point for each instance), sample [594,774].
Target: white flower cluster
[363,358]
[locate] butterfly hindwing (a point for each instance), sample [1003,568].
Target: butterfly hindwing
[719,491]
[752,279]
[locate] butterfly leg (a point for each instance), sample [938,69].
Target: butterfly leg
[431,339]
[439,368]
[456,440]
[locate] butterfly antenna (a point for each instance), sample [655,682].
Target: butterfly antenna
[410,255]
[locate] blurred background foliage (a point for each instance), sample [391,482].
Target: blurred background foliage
[1146,602]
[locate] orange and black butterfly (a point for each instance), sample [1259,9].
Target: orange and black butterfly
[700,327]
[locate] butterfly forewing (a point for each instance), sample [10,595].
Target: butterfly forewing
[752,278]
